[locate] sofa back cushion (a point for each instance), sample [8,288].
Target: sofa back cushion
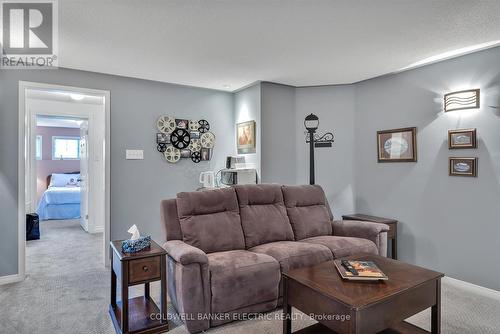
[263,214]
[307,210]
[171,226]
[210,220]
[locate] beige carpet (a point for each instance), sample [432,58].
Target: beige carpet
[67,291]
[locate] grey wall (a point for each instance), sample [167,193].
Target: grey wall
[334,105]
[447,223]
[247,107]
[285,154]
[278,133]
[136,186]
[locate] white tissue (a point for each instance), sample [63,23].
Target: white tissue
[135,232]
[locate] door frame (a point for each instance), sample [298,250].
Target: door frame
[25,164]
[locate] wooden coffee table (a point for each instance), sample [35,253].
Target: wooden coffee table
[342,306]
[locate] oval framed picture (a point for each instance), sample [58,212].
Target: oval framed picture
[397,145]
[463,166]
[462,138]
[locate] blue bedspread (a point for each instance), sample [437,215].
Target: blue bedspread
[60,203]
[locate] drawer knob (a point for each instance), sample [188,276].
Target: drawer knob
[145,268]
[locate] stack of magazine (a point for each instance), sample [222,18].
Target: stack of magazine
[359,270]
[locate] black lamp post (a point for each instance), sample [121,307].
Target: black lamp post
[311,123]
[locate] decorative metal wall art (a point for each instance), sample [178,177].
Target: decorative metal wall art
[325,140]
[311,123]
[184,139]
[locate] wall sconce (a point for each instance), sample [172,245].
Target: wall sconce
[464,99]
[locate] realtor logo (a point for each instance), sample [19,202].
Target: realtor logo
[29,34]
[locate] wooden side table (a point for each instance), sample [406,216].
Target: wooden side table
[139,315]
[392,234]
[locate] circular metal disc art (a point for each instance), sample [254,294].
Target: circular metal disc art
[172,154]
[180,138]
[204,126]
[194,125]
[196,157]
[166,124]
[161,147]
[207,140]
[184,139]
[195,145]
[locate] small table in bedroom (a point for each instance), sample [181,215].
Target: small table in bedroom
[139,315]
[372,307]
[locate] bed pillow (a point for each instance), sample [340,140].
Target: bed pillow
[64,180]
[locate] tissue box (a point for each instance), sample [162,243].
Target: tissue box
[134,246]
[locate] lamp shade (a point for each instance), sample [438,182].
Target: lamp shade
[311,122]
[464,99]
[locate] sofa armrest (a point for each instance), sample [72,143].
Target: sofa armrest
[185,254]
[367,230]
[188,284]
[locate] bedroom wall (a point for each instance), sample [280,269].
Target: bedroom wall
[47,166]
[447,223]
[136,186]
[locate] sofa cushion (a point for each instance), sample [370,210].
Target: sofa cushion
[294,254]
[210,220]
[263,214]
[307,210]
[344,246]
[241,278]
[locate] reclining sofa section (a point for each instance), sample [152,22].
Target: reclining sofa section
[227,248]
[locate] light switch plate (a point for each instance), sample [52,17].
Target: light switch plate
[134,154]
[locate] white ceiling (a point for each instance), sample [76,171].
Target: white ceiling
[227,44]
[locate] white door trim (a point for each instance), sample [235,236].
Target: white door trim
[24,160]
[10,279]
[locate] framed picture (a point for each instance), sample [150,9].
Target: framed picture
[163,138]
[185,153]
[463,138]
[206,154]
[181,123]
[245,137]
[397,145]
[194,134]
[463,167]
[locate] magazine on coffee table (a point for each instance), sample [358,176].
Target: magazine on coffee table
[366,271]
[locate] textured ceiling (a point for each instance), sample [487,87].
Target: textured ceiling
[227,44]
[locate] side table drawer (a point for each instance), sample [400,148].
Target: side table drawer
[144,269]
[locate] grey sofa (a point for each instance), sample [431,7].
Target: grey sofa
[227,248]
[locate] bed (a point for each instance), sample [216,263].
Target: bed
[62,198]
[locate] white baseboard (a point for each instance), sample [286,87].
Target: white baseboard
[99,229]
[468,285]
[11,279]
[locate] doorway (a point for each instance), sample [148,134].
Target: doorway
[82,160]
